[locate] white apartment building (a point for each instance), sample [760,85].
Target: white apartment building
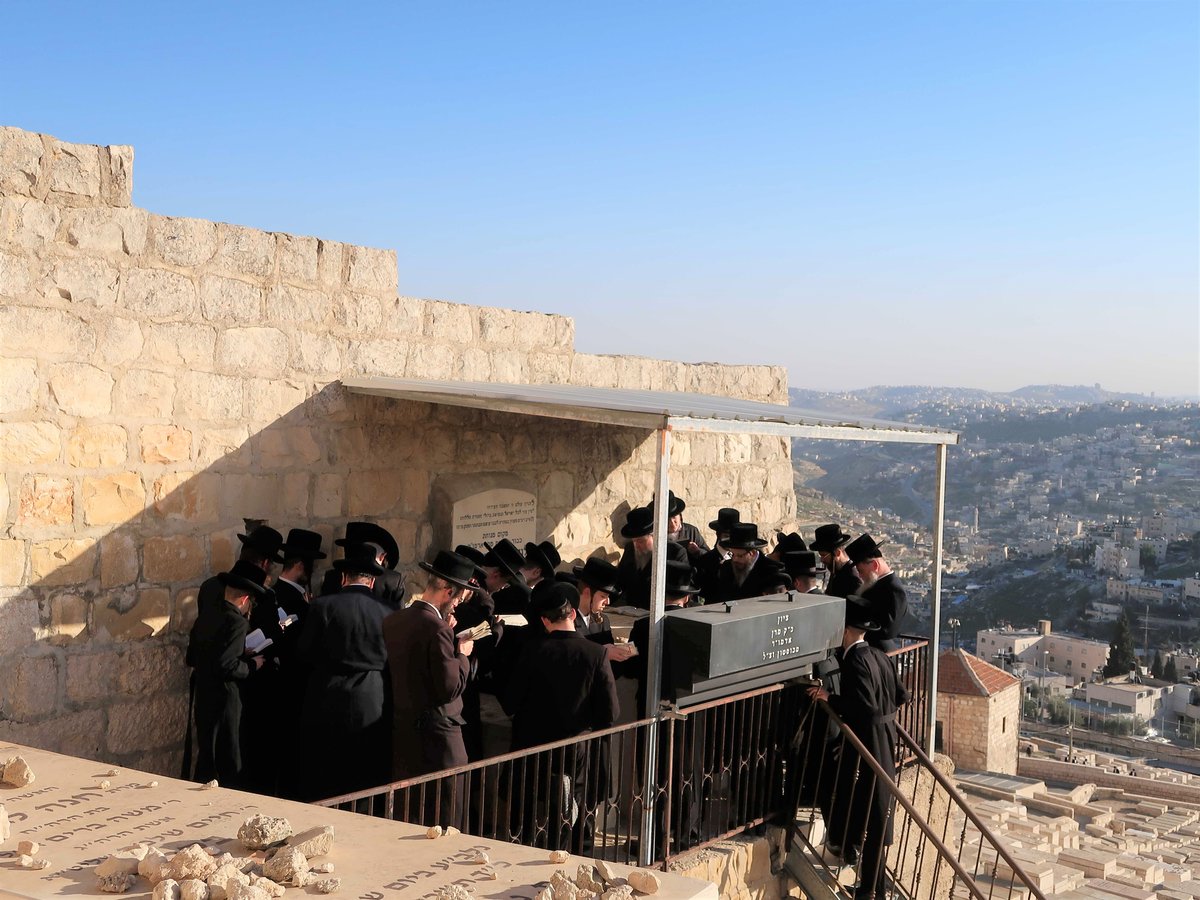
[1075,657]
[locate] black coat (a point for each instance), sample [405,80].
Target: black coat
[634,582]
[889,609]
[216,648]
[844,582]
[561,687]
[345,700]
[706,569]
[676,668]
[512,599]
[766,577]
[429,677]
[689,533]
[598,629]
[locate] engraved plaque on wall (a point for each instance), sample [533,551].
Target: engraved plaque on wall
[489,516]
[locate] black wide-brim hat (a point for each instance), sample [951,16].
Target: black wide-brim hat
[458,570]
[474,555]
[551,595]
[245,576]
[370,533]
[545,556]
[828,538]
[859,614]
[504,555]
[598,574]
[679,579]
[303,544]
[639,522]
[266,540]
[726,518]
[675,505]
[744,536]
[361,558]
[802,563]
[789,543]
[863,548]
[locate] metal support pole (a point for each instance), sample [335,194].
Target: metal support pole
[939,515]
[658,605]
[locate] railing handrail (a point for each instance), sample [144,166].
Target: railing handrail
[961,802]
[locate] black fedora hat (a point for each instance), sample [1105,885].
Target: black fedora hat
[744,536]
[504,555]
[828,538]
[679,579]
[551,595]
[801,563]
[639,522]
[598,574]
[266,540]
[476,556]
[789,543]
[303,544]
[370,533]
[458,570]
[361,559]
[726,518]
[545,556]
[859,614]
[863,548]
[675,505]
[245,576]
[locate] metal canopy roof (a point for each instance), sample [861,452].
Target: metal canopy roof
[649,409]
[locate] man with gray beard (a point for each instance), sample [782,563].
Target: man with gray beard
[881,588]
[634,569]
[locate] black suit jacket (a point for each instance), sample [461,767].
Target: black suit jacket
[766,577]
[889,608]
[215,651]
[844,582]
[635,582]
[562,686]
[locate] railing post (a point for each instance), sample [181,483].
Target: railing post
[939,515]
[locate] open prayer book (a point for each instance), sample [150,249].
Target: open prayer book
[478,633]
[257,642]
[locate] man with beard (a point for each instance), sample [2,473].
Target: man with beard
[748,573]
[634,571]
[680,532]
[829,542]
[881,588]
[260,547]
[709,564]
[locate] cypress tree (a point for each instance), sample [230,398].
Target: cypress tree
[1121,656]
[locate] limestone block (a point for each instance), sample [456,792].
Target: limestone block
[97,446]
[448,322]
[245,250]
[508,367]
[228,299]
[326,499]
[119,341]
[118,559]
[150,668]
[378,357]
[107,231]
[260,351]
[143,393]
[402,317]
[212,398]
[31,690]
[183,242]
[27,331]
[12,565]
[85,279]
[165,444]
[268,400]
[150,723]
[549,368]
[190,496]
[89,677]
[316,353]
[120,175]
[496,326]
[298,258]
[243,493]
[159,293]
[292,304]
[360,313]
[20,161]
[80,389]
[293,495]
[18,385]
[75,169]
[316,841]
[20,617]
[259,832]
[33,223]
[113,499]
[178,557]
[432,361]
[475,364]
[370,269]
[68,614]
[184,345]
[223,444]
[753,481]
[330,263]
[45,500]
[15,279]
[378,492]
[183,614]
[280,447]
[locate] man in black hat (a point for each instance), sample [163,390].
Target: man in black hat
[216,653]
[709,564]
[805,569]
[881,588]
[597,583]
[747,573]
[686,535]
[341,645]
[502,565]
[635,571]
[260,547]
[540,562]
[787,543]
[477,608]
[829,541]
[389,584]
[430,669]
[861,810]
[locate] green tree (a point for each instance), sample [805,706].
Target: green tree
[1156,667]
[1121,656]
[1170,671]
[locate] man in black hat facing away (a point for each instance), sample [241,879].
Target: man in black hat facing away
[709,564]
[341,645]
[635,569]
[216,653]
[787,543]
[861,810]
[389,584]
[747,573]
[829,541]
[540,562]
[881,588]
[805,569]
[260,547]
[686,535]
[503,564]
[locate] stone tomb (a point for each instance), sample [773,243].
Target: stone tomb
[78,823]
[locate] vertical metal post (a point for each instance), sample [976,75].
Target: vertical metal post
[939,515]
[658,603]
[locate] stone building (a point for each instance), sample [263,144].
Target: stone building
[978,713]
[162,378]
[1076,657]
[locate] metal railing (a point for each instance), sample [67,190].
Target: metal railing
[912,668]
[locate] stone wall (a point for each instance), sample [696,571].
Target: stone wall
[162,378]
[980,733]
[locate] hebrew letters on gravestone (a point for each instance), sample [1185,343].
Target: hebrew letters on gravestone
[489,516]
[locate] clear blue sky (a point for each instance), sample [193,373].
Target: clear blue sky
[984,193]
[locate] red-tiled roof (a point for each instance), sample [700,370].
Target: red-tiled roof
[961,673]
